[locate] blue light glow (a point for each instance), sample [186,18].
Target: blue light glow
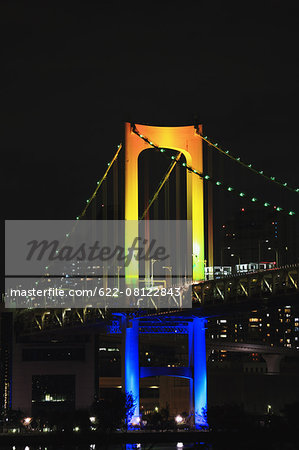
[131,332]
[200,373]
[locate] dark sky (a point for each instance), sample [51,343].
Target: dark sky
[75,71]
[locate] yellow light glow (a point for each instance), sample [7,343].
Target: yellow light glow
[183,139]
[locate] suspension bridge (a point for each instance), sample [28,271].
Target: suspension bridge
[182,151]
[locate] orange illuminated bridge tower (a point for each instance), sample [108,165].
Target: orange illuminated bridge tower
[184,139]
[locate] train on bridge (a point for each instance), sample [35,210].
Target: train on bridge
[222,271]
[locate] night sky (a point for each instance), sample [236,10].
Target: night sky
[76,71]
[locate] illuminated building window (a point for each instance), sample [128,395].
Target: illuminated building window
[53,393]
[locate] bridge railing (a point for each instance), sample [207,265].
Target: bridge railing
[251,285]
[232,289]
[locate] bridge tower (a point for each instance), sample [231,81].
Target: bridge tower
[184,139]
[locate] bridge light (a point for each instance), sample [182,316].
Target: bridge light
[184,164]
[291,213]
[230,188]
[279,208]
[254,199]
[261,172]
[207,177]
[238,159]
[242,194]
[27,420]
[162,150]
[285,184]
[249,165]
[218,183]
[227,152]
[179,419]
[272,178]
